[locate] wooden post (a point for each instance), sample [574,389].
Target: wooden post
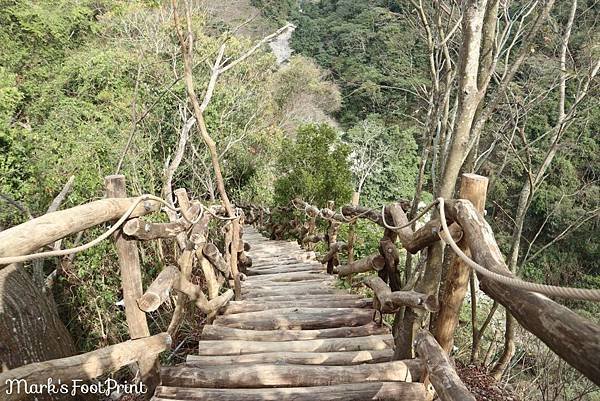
[352,230]
[131,282]
[444,378]
[473,188]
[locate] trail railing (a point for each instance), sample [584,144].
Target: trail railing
[189,225]
[570,336]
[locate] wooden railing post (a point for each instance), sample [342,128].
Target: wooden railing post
[131,282]
[473,188]
[352,229]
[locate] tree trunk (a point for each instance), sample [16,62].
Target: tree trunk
[30,328]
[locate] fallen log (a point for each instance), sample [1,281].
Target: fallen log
[212,332]
[237,347]
[271,375]
[257,305]
[442,375]
[373,262]
[569,335]
[159,290]
[390,302]
[374,391]
[32,235]
[298,318]
[85,366]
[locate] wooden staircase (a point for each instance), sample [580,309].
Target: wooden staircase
[294,336]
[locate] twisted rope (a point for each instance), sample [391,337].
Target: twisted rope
[62,252]
[549,290]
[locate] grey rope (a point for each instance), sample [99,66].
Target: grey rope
[550,290]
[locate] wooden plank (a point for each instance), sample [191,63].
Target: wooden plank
[257,305]
[375,391]
[271,375]
[296,358]
[235,347]
[441,371]
[212,332]
[298,318]
[85,366]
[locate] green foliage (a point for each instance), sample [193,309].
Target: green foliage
[384,160]
[372,53]
[314,167]
[277,10]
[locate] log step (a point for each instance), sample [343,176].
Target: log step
[374,391]
[298,318]
[234,307]
[274,375]
[212,332]
[297,358]
[238,347]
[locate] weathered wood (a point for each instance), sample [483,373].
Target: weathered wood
[185,262]
[298,318]
[334,248]
[251,287]
[442,375]
[144,230]
[257,305]
[305,297]
[257,294]
[289,277]
[249,283]
[296,358]
[473,188]
[159,290]
[212,284]
[373,262]
[390,302]
[236,347]
[285,269]
[32,235]
[269,375]
[428,234]
[85,366]
[212,253]
[131,283]
[375,391]
[212,332]
[194,293]
[569,335]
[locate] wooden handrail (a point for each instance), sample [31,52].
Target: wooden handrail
[34,234]
[85,366]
